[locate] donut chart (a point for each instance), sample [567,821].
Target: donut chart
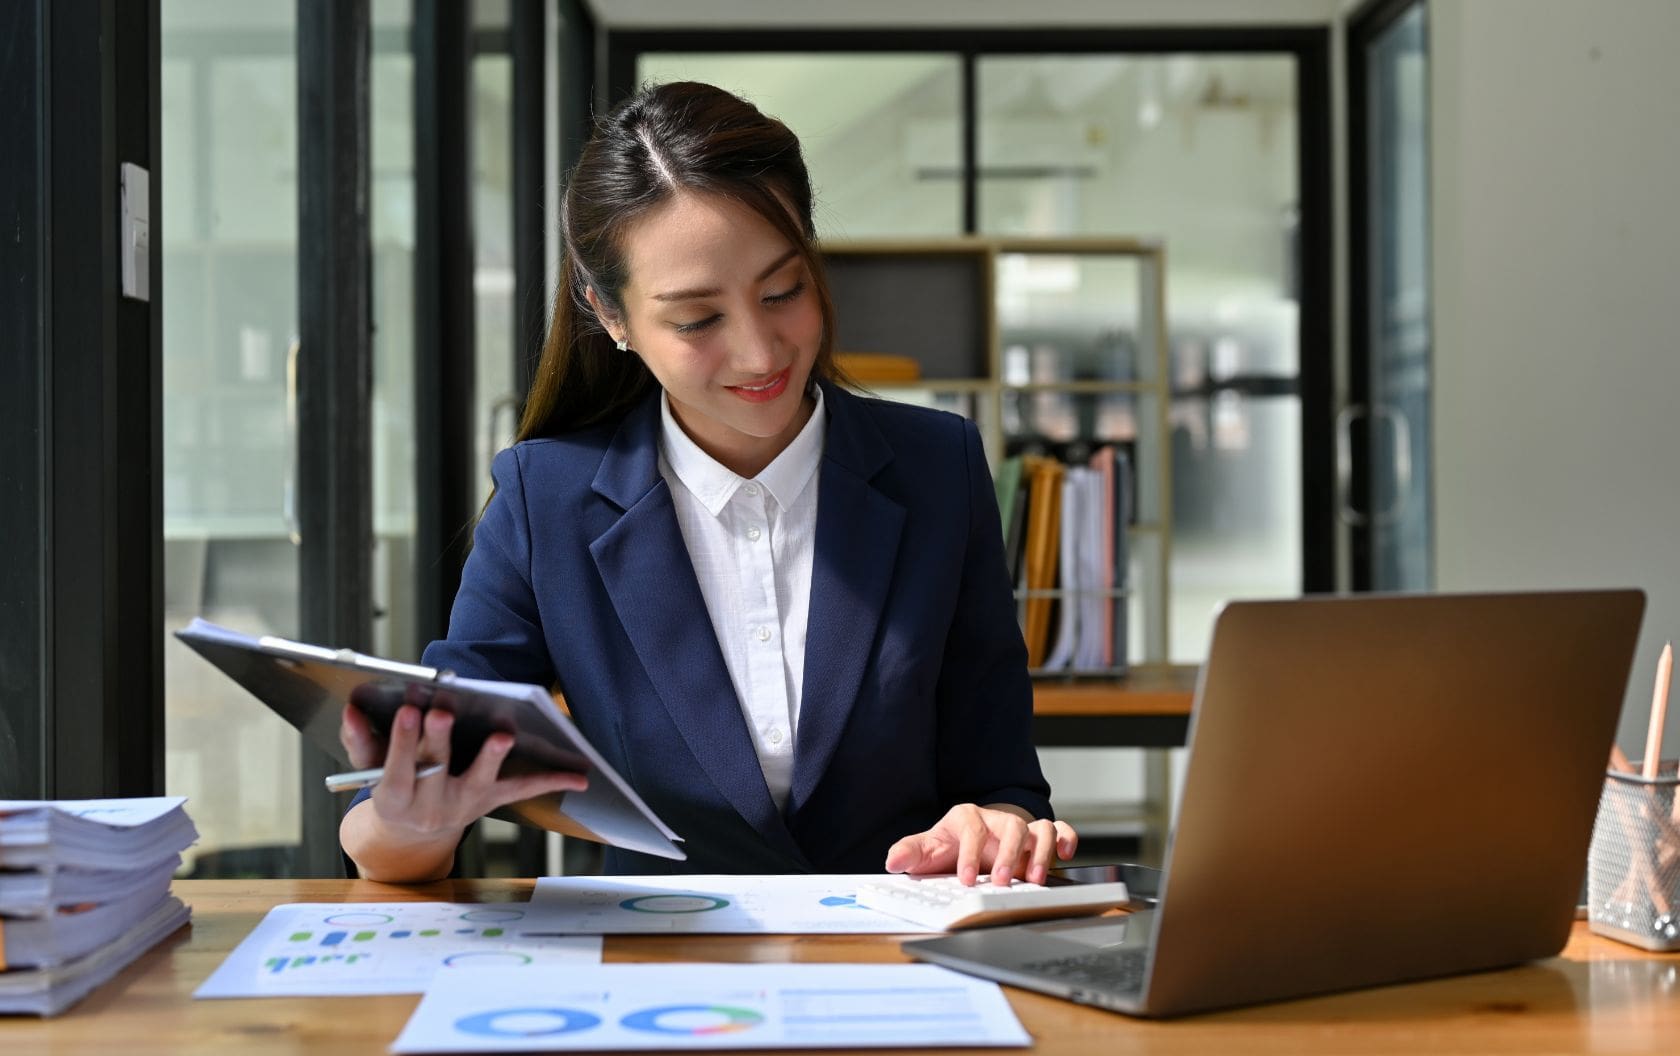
[675,903]
[526,1022]
[693,1020]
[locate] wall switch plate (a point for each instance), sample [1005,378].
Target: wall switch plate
[136,232]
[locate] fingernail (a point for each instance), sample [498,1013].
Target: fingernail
[500,744]
[408,718]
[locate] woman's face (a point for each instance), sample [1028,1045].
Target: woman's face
[720,307]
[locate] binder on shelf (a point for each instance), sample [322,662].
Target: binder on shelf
[1095,574]
[1070,564]
[1121,519]
[1008,485]
[1015,528]
[1102,464]
[877,366]
[1070,605]
[1043,543]
[308,686]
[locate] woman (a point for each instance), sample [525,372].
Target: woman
[779,609]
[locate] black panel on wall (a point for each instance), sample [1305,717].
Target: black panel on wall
[81,671]
[24,675]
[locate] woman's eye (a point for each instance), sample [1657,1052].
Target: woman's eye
[711,320]
[698,325]
[783,298]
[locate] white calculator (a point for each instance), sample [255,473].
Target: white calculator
[945,903]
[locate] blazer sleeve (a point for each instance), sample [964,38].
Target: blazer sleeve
[495,630]
[985,749]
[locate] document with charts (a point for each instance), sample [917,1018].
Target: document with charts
[712,1006]
[716,905]
[327,949]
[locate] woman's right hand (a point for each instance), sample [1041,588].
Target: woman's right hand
[433,811]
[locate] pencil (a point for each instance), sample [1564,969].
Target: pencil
[1659,708]
[1619,761]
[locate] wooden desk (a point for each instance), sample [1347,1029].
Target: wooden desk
[1148,709]
[1599,996]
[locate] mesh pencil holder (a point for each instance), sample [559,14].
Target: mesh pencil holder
[1633,868]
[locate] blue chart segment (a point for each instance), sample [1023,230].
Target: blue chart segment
[527,1022]
[841,902]
[277,965]
[693,1020]
[674,903]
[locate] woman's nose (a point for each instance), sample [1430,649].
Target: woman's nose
[755,350]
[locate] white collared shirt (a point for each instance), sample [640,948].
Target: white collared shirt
[752,543]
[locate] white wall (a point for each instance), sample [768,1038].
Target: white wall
[1557,277]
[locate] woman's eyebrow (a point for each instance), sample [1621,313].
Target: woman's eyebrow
[688,295]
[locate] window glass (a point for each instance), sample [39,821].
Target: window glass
[229,237]
[493,285]
[882,133]
[1199,153]
[392,220]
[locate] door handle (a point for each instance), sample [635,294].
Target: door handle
[1402,430]
[288,482]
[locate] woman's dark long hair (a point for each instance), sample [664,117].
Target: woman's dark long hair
[663,140]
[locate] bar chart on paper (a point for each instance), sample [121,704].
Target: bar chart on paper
[308,949]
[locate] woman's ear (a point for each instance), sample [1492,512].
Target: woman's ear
[615,329]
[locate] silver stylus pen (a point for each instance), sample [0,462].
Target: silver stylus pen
[355,779]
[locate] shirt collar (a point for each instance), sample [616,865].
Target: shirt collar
[785,478]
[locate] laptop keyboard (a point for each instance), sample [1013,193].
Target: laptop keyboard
[1118,970]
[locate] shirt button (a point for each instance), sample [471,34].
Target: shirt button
[775,736]
[751,489]
[763,634]
[753,534]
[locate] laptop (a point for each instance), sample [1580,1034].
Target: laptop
[1378,789]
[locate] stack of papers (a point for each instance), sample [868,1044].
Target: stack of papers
[84,890]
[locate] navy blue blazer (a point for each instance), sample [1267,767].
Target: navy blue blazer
[916,694]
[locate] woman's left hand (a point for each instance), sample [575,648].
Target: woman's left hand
[971,838]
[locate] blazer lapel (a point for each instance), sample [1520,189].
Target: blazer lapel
[858,529]
[644,564]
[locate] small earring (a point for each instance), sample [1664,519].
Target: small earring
[623,345]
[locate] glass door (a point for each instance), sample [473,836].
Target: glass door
[1384,434]
[230,320]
